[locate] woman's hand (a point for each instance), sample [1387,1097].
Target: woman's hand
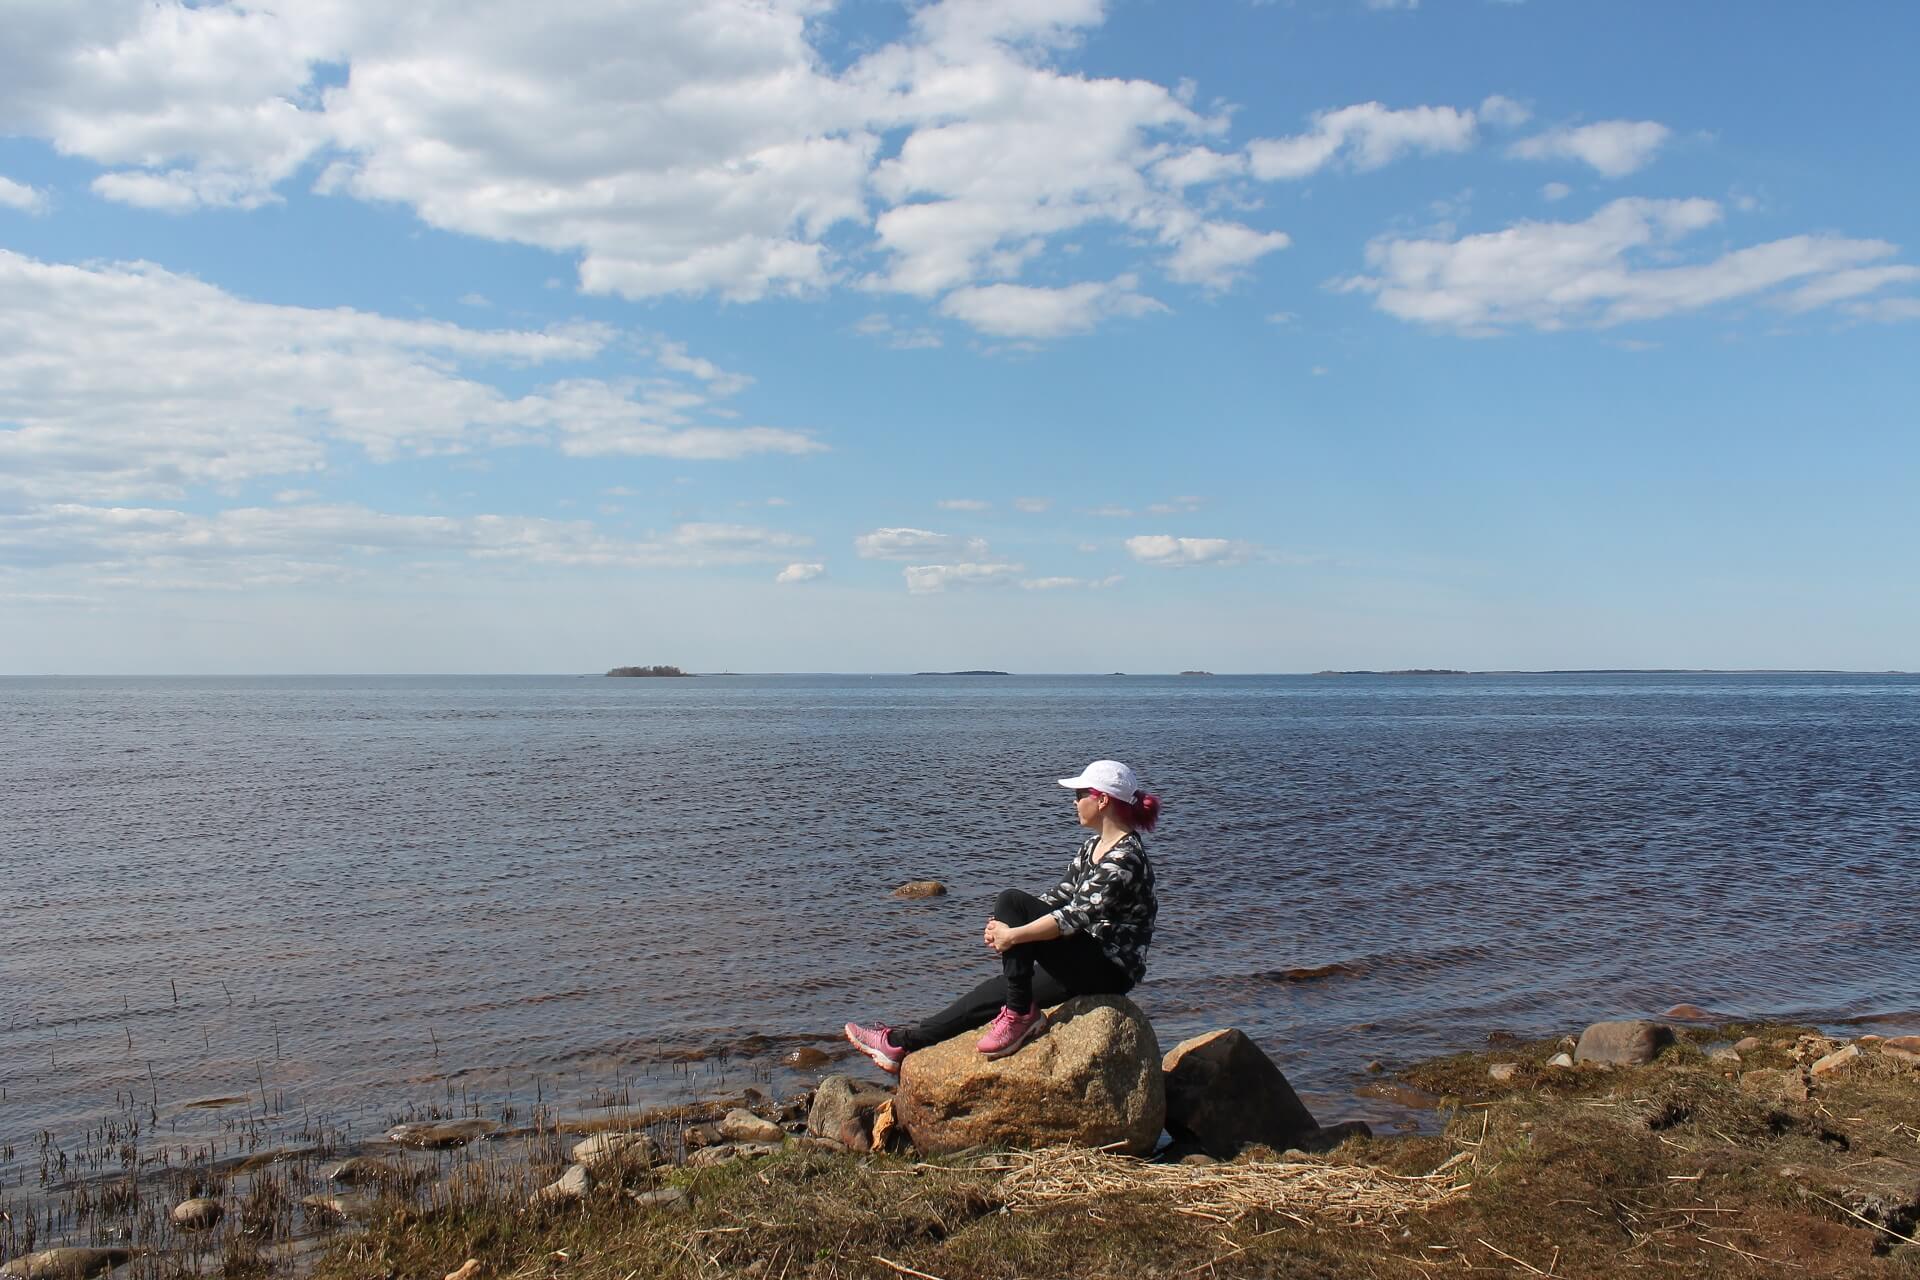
[999,936]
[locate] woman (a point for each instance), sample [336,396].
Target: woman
[1086,936]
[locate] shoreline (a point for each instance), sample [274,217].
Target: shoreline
[286,1216]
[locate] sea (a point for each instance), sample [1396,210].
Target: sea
[349,900]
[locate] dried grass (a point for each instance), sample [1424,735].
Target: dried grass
[1298,1189]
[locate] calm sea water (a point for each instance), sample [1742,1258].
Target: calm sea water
[352,891]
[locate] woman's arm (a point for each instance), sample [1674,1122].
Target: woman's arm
[1002,937]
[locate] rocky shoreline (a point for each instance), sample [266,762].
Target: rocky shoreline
[1808,1144]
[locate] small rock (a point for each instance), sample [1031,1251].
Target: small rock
[700,1135]
[1752,1044]
[451,1133]
[807,1142]
[615,1150]
[1910,1044]
[1375,1067]
[707,1157]
[1503,1071]
[1907,1056]
[843,1110]
[744,1126]
[1836,1060]
[662,1198]
[466,1271]
[65,1264]
[342,1207]
[1198,1158]
[1327,1137]
[1630,1043]
[1725,1054]
[199,1214]
[921,889]
[1400,1093]
[884,1125]
[1564,1061]
[1223,1093]
[1868,1039]
[806,1058]
[1688,1013]
[572,1185]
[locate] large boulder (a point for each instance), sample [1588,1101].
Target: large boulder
[1091,1079]
[1224,1094]
[1622,1044]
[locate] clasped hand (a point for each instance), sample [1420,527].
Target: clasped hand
[999,935]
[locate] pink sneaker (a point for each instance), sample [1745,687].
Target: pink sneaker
[1009,1030]
[873,1042]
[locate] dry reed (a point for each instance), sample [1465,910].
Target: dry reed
[1297,1189]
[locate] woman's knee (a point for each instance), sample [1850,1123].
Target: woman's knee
[1015,906]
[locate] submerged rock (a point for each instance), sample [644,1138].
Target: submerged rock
[806,1057]
[363,1170]
[433,1136]
[1223,1093]
[1091,1079]
[65,1264]
[921,889]
[1630,1043]
[342,1207]
[198,1214]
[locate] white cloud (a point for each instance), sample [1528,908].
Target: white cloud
[1032,506]
[1553,191]
[1503,112]
[900,338]
[923,579]
[208,389]
[1843,285]
[1025,311]
[908,544]
[795,573]
[253,546]
[1214,254]
[1071,584]
[1368,135]
[18,195]
[1884,310]
[963,504]
[1550,275]
[1614,148]
[1163,549]
[674,147]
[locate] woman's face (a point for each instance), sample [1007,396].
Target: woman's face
[1087,806]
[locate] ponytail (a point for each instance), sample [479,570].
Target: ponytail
[1144,811]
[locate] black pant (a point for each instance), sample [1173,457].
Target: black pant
[1069,966]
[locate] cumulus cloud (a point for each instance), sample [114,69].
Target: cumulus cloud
[1843,285]
[18,195]
[1026,311]
[1555,191]
[796,573]
[1366,135]
[1614,148]
[1616,266]
[672,147]
[209,389]
[909,544]
[1164,549]
[924,579]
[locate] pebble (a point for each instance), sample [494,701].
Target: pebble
[1725,1054]
[604,1149]
[1198,1158]
[1375,1067]
[1688,1013]
[1752,1044]
[1562,1060]
[1503,1071]
[571,1185]
[921,889]
[198,1214]
[65,1264]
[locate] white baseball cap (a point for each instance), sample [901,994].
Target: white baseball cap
[1109,776]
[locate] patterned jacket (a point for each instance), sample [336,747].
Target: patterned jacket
[1111,901]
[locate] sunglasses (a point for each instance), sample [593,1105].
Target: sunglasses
[1081,793]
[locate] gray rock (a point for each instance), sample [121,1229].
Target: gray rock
[1752,1044]
[342,1207]
[198,1214]
[1727,1054]
[1223,1093]
[707,1157]
[65,1264]
[843,1110]
[744,1126]
[1631,1043]
[1563,1061]
[574,1184]
[434,1136]
[1838,1060]
[1502,1072]
[662,1198]
[364,1170]
[616,1150]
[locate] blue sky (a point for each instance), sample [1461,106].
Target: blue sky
[1055,335]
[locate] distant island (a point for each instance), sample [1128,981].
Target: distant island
[1409,671]
[647,671]
[1196,673]
[962,673]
